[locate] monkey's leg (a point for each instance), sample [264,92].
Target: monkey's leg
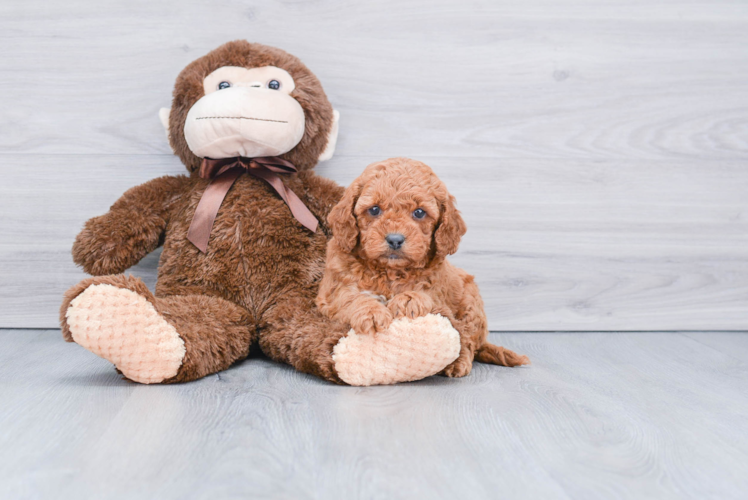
[155,340]
[295,332]
[298,334]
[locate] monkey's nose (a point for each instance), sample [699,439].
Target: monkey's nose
[251,85]
[395,240]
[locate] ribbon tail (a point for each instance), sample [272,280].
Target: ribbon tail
[207,208]
[298,209]
[301,211]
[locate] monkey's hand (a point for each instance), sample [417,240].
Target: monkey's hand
[112,242]
[410,305]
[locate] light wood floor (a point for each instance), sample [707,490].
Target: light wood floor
[597,416]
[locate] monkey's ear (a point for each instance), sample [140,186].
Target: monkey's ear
[163,115]
[342,220]
[332,138]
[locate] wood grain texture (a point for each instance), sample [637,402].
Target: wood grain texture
[598,150]
[597,415]
[539,78]
[555,245]
[731,343]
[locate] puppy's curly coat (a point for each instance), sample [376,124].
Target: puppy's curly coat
[392,231]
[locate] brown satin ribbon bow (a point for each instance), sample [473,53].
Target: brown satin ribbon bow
[223,174]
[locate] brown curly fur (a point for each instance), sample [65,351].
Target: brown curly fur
[260,275]
[414,280]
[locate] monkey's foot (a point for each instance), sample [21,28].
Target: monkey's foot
[411,349]
[123,327]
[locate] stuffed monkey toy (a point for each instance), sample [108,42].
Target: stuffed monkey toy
[243,237]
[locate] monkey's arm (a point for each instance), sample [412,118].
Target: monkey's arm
[132,228]
[320,195]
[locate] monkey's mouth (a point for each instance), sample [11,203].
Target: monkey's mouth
[239,118]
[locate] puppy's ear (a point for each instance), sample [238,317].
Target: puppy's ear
[450,230]
[342,220]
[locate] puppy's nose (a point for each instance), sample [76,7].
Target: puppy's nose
[395,240]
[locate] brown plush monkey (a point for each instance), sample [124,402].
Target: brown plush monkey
[244,234]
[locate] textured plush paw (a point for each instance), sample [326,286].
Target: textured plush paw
[411,349]
[124,328]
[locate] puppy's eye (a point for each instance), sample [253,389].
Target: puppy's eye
[274,84]
[223,85]
[419,213]
[374,211]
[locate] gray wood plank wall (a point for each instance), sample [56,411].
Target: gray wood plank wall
[599,150]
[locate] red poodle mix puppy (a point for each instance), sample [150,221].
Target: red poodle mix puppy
[392,231]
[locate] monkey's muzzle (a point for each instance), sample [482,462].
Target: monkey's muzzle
[244,121]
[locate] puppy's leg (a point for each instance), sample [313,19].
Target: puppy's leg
[369,316]
[473,328]
[347,304]
[462,366]
[486,353]
[410,305]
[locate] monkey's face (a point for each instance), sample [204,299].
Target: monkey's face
[248,99]
[245,112]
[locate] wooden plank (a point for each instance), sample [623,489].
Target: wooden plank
[598,151]
[731,343]
[533,79]
[555,245]
[597,415]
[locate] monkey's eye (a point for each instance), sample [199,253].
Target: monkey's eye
[274,84]
[419,213]
[223,85]
[374,211]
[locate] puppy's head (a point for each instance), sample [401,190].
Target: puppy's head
[397,214]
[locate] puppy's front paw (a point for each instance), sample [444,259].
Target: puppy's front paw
[410,305]
[459,368]
[372,320]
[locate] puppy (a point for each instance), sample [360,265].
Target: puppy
[392,231]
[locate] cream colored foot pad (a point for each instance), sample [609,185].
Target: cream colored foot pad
[411,349]
[123,327]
